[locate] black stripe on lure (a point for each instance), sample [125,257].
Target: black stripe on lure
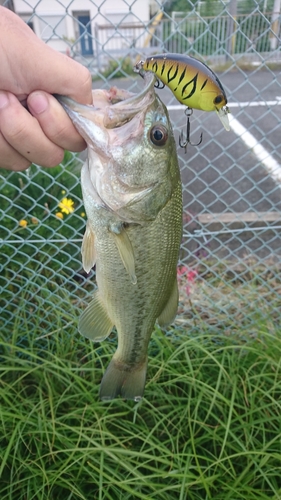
[192,82]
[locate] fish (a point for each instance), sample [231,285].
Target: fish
[192,82]
[132,194]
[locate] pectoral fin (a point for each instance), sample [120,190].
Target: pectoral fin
[94,322]
[169,312]
[126,252]
[88,249]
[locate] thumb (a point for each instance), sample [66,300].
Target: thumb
[57,73]
[28,64]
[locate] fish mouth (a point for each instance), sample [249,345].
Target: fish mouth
[111,109]
[114,128]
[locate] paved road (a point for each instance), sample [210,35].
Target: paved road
[223,173]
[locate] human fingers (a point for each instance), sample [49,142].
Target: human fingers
[10,158]
[58,74]
[24,134]
[54,121]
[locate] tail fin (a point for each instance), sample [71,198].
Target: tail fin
[118,380]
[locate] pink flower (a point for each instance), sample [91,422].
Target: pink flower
[184,273]
[191,275]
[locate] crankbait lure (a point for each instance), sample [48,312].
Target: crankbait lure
[192,82]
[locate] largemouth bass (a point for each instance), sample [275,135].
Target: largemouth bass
[133,199]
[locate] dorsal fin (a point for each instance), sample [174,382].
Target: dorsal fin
[169,312]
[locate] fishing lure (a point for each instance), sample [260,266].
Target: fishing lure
[192,82]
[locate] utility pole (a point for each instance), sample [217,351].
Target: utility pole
[274,35]
[230,32]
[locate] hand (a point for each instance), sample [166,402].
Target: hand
[33,125]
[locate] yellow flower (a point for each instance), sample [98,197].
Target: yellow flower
[59,215]
[23,223]
[34,220]
[66,205]
[63,191]
[82,214]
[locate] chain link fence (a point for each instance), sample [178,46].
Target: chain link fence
[230,257]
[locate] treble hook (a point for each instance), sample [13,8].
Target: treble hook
[183,143]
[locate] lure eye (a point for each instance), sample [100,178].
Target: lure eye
[218,99]
[158,135]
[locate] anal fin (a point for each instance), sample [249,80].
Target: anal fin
[94,322]
[169,312]
[88,249]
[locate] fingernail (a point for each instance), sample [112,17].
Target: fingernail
[37,103]
[4,100]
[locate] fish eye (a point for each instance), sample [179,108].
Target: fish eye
[158,135]
[218,99]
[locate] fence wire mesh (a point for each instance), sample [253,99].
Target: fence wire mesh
[231,250]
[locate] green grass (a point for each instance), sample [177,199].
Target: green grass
[209,426]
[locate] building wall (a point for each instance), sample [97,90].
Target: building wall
[57,22]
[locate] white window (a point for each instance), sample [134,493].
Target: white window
[53,27]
